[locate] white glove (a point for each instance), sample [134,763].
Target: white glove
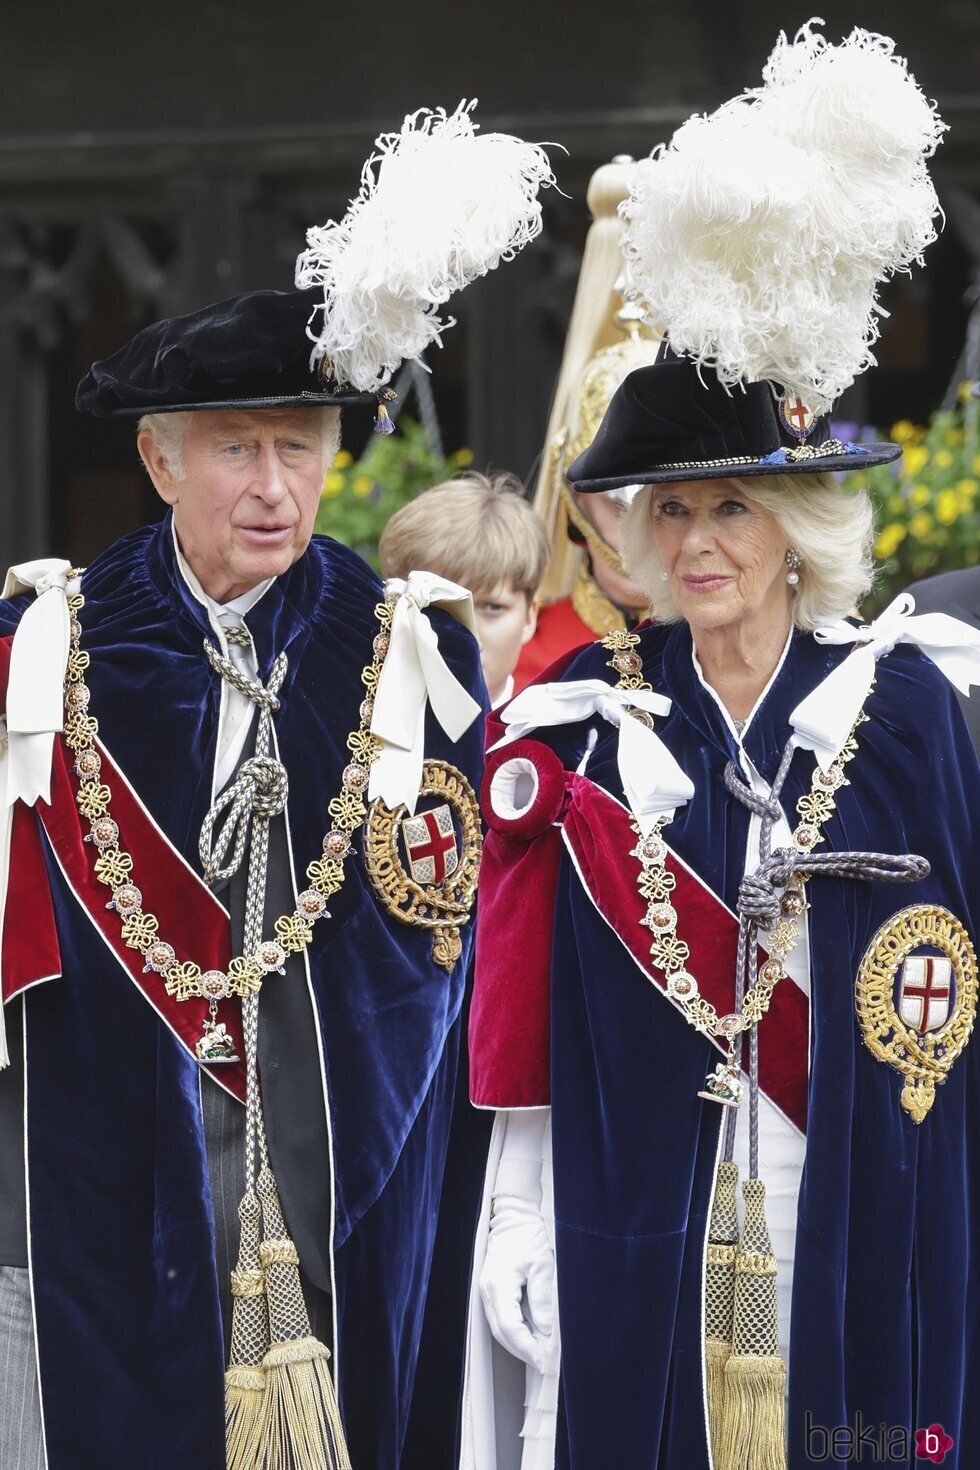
[517,1282]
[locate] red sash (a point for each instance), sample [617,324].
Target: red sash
[599,838]
[191,918]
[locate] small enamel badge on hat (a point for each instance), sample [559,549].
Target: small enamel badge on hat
[794,415]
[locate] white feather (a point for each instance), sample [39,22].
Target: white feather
[439,205]
[758,238]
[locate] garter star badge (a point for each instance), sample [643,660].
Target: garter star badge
[916,999]
[424,867]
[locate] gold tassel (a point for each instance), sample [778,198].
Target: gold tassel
[719,1301]
[245,1379]
[301,1428]
[754,1427]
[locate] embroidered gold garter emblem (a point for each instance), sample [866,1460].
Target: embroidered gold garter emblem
[920,1025]
[424,867]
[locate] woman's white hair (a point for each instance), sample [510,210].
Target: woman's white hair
[168,431]
[832,530]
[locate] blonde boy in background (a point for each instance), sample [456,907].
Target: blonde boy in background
[480,532]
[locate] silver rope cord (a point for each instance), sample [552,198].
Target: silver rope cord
[759,908]
[257,794]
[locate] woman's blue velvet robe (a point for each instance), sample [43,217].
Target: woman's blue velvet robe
[886,1296]
[121,1225]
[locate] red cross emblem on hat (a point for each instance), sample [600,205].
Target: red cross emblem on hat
[795,415]
[926,990]
[430,841]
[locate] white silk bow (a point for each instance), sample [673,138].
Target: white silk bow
[36,686]
[824,719]
[654,783]
[413,675]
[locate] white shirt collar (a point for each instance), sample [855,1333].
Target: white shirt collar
[506,693]
[237,607]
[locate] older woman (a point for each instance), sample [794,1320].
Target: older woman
[730,883]
[627,995]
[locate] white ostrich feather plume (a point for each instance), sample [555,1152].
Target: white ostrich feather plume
[759,237]
[439,205]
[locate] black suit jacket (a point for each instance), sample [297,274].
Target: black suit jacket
[956,593]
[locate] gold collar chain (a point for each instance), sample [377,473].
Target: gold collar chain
[656,883]
[184,979]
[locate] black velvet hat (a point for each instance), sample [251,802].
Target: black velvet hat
[250,351]
[672,421]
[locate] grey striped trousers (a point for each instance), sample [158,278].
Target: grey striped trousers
[21,1443]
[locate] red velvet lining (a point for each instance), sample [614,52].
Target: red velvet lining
[548,801]
[30,939]
[510,1017]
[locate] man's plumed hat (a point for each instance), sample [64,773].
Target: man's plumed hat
[439,205]
[757,240]
[248,352]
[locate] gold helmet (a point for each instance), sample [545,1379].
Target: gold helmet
[607,338]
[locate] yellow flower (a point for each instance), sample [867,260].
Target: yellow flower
[966,488]
[947,507]
[463,457]
[920,495]
[920,525]
[343,460]
[896,505]
[964,392]
[903,431]
[976,464]
[954,436]
[916,457]
[332,485]
[362,486]
[889,541]
[943,459]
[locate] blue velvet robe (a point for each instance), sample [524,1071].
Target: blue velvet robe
[121,1224]
[886,1297]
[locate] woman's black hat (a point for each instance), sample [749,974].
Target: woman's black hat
[673,421]
[250,351]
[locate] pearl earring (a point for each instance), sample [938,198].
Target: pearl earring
[665,575]
[794,561]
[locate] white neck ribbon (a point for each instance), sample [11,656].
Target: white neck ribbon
[654,783]
[824,719]
[414,675]
[35,691]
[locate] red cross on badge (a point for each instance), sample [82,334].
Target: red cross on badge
[924,1001]
[796,417]
[430,840]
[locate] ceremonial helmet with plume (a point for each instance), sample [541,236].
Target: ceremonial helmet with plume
[757,240]
[439,205]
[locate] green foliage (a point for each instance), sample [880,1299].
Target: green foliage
[359,497]
[926,508]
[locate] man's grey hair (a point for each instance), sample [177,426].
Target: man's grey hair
[168,431]
[831,528]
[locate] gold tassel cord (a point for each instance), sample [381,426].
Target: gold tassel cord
[301,1428]
[754,1427]
[719,1300]
[245,1381]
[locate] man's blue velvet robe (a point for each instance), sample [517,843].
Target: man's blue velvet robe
[121,1224]
[886,1301]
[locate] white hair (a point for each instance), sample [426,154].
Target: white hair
[832,530]
[168,431]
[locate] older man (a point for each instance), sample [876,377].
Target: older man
[222,672]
